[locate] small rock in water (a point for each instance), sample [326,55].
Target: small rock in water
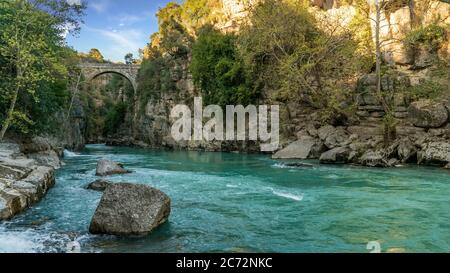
[99,185]
[130,209]
[300,165]
[108,167]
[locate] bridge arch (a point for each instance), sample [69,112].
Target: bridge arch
[126,76]
[93,70]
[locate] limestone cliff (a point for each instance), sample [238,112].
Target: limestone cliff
[152,124]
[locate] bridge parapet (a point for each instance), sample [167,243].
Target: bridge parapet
[93,70]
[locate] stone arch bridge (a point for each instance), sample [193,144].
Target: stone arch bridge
[93,70]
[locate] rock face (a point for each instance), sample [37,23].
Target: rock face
[406,150]
[108,167]
[129,209]
[42,151]
[18,195]
[332,137]
[428,114]
[434,153]
[77,129]
[336,155]
[23,180]
[99,185]
[306,147]
[373,159]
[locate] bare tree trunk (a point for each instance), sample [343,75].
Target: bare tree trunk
[74,94]
[9,117]
[378,50]
[389,126]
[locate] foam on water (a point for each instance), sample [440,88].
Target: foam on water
[288,195]
[17,242]
[69,154]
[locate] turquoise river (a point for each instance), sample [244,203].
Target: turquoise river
[227,202]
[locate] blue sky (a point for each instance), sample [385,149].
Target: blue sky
[117,27]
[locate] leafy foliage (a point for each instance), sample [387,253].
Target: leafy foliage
[155,78]
[299,62]
[428,89]
[430,36]
[34,61]
[96,55]
[218,69]
[115,117]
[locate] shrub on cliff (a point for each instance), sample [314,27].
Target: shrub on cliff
[289,55]
[431,37]
[115,117]
[218,69]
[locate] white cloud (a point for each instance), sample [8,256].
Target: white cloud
[120,42]
[128,19]
[74,2]
[99,6]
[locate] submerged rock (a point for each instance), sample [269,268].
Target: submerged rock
[130,209]
[99,185]
[108,167]
[300,165]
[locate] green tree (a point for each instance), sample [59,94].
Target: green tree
[129,58]
[30,40]
[218,69]
[96,55]
[292,58]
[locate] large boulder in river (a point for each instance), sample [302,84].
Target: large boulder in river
[428,114]
[434,153]
[335,156]
[305,147]
[108,167]
[130,209]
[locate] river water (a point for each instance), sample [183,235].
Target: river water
[225,202]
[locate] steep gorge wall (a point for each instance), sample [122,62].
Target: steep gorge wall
[153,124]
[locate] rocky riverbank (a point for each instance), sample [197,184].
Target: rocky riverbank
[422,137]
[26,174]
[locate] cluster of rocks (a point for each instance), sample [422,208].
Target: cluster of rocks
[126,209]
[369,106]
[26,174]
[425,140]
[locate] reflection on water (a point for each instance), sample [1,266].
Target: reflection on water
[245,203]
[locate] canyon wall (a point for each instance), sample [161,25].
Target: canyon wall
[153,123]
